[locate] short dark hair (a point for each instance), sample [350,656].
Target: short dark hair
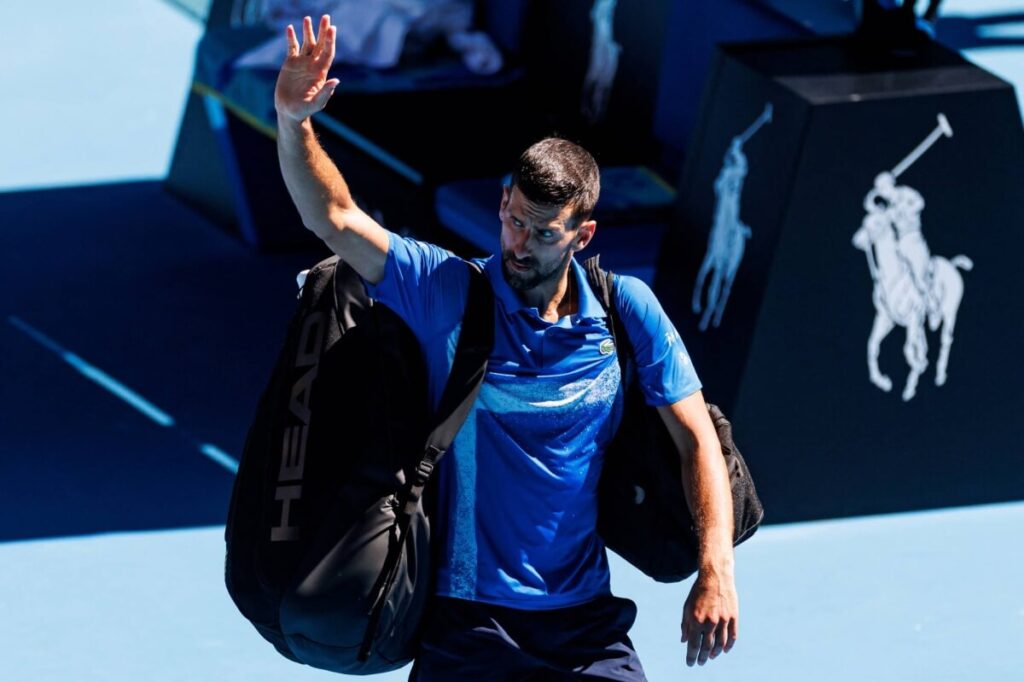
[558,172]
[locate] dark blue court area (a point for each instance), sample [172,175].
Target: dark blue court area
[129,345]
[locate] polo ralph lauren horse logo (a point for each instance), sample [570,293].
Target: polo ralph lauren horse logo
[729,234]
[910,285]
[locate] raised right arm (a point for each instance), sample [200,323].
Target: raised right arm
[316,186]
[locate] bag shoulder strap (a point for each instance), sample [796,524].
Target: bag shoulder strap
[476,339]
[602,282]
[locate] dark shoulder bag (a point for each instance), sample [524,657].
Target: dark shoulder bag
[642,511]
[327,538]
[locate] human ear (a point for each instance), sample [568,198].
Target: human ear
[584,233]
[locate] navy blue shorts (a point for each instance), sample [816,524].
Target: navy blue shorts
[465,640]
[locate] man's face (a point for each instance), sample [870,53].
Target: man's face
[537,240]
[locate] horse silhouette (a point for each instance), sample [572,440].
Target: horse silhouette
[898,301]
[727,240]
[728,237]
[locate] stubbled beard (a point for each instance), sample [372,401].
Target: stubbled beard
[524,281]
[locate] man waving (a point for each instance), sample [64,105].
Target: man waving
[522,589]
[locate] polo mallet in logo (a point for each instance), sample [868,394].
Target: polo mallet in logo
[943,129]
[765,117]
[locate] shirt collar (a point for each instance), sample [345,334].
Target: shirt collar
[589,305]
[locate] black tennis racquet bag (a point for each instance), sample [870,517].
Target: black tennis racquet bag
[327,535]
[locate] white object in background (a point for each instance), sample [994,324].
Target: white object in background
[910,285]
[604,61]
[727,240]
[375,32]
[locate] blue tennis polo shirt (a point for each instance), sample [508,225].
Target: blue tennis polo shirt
[517,493]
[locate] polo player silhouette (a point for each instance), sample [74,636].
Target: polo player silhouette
[902,206]
[909,283]
[727,240]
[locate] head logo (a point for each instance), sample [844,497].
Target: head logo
[911,285]
[293,448]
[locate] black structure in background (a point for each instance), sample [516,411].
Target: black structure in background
[788,360]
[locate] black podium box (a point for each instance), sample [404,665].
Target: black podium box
[843,208]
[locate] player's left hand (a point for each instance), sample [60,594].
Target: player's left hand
[710,617]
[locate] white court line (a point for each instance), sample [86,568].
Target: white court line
[96,375]
[220,457]
[116,388]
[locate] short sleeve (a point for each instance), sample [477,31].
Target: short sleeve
[424,284]
[663,364]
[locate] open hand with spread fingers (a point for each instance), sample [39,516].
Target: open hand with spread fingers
[302,86]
